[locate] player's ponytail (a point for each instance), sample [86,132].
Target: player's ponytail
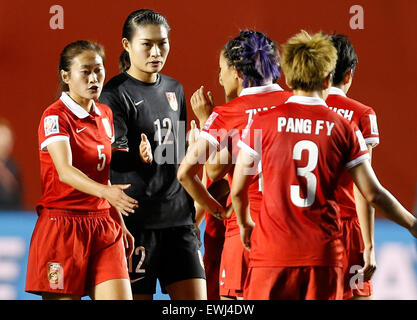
[255,56]
[135,19]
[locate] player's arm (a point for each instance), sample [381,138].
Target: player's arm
[219,164]
[128,239]
[365,179]
[242,178]
[61,155]
[366,217]
[196,156]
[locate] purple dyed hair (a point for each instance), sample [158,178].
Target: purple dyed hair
[255,55]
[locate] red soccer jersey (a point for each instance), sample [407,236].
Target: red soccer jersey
[225,124]
[90,137]
[304,149]
[365,118]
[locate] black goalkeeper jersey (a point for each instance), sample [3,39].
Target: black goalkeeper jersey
[159,111]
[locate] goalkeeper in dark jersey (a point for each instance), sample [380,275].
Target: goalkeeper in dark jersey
[150,117]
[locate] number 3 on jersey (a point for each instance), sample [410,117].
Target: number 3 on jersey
[305,172]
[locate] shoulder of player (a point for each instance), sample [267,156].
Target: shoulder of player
[114,83]
[171,82]
[349,103]
[56,108]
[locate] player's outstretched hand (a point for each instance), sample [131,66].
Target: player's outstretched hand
[202,104]
[120,200]
[128,241]
[369,268]
[145,149]
[193,134]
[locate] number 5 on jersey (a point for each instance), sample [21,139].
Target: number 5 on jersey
[101,157]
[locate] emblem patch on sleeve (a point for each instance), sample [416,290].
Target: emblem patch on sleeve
[362,143]
[172,99]
[55,275]
[51,125]
[374,125]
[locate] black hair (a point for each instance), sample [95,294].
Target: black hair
[255,55]
[135,19]
[346,57]
[71,51]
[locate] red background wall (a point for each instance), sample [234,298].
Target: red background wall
[385,78]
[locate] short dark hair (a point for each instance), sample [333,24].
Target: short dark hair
[307,60]
[255,55]
[71,51]
[138,18]
[346,57]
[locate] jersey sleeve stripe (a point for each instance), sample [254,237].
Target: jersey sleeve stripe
[212,140]
[248,149]
[52,140]
[357,161]
[372,141]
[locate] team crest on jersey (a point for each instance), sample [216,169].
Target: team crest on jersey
[55,275]
[107,127]
[172,99]
[210,120]
[51,125]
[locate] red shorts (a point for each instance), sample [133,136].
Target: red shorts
[233,267]
[294,283]
[353,258]
[71,252]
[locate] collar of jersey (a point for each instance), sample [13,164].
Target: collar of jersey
[261,89]
[76,108]
[334,90]
[311,101]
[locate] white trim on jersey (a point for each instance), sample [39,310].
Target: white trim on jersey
[310,101]
[261,89]
[373,141]
[212,140]
[248,149]
[357,161]
[337,91]
[76,108]
[52,140]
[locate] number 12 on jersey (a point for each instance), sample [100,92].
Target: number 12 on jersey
[305,172]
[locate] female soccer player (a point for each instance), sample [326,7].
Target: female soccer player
[355,212]
[296,247]
[77,246]
[249,66]
[147,104]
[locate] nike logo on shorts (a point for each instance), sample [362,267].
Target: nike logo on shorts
[79,130]
[135,280]
[138,103]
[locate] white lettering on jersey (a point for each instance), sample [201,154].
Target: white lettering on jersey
[252,112]
[348,114]
[51,125]
[296,125]
[330,126]
[374,124]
